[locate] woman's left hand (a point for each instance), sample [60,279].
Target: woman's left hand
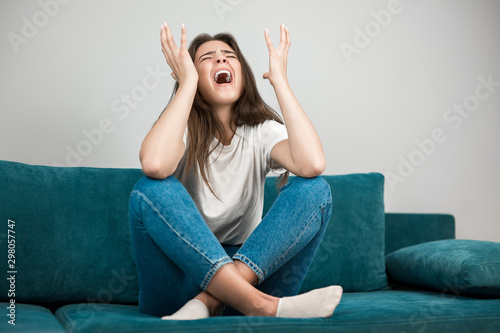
[278,57]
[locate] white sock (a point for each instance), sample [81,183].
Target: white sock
[315,303]
[194,309]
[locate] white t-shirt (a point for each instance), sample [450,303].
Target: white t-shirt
[237,174]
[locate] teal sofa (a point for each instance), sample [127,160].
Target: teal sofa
[68,264]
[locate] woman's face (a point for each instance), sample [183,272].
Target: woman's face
[220,77]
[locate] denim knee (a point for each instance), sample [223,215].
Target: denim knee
[311,188]
[316,192]
[168,191]
[152,186]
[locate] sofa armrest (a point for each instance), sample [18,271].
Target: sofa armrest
[406,229]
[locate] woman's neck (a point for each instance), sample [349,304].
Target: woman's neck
[225,115]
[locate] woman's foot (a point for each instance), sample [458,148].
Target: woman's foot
[194,309]
[202,306]
[315,303]
[214,305]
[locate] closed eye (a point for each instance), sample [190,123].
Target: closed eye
[208,55]
[229,56]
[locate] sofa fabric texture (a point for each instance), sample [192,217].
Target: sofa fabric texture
[465,266]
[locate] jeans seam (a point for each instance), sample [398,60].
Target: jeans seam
[328,203]
[175,231]
[251,264]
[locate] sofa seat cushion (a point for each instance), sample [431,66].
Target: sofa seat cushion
[465,266]
[378,311]
[29,318]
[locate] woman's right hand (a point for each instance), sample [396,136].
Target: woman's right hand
[178,58]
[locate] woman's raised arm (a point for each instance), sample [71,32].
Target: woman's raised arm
[162,148]
[302,154]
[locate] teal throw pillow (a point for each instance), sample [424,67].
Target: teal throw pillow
[458,266]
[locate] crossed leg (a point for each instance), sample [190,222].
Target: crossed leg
[155,217]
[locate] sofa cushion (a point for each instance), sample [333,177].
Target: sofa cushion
[392,311]
[72,233]
[352,251]
[455,265]
[29,318]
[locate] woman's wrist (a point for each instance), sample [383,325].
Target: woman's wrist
[190,84]
[280,84]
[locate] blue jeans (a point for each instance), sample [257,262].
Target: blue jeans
[177,255]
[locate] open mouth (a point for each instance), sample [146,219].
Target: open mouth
[223,76]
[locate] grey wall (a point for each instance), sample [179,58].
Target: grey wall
[397,87]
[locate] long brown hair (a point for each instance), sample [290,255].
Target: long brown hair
[203,124]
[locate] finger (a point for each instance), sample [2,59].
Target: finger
[167,52]
[183,38]
[288,41]
[163,33]
[170,39]
[266,75]
[269,43]
[174,76]
[163,39]
[282,37]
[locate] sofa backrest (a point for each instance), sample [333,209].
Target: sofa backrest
[352,251]
[407,229]
[72,239]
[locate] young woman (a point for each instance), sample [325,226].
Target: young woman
[200,244]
